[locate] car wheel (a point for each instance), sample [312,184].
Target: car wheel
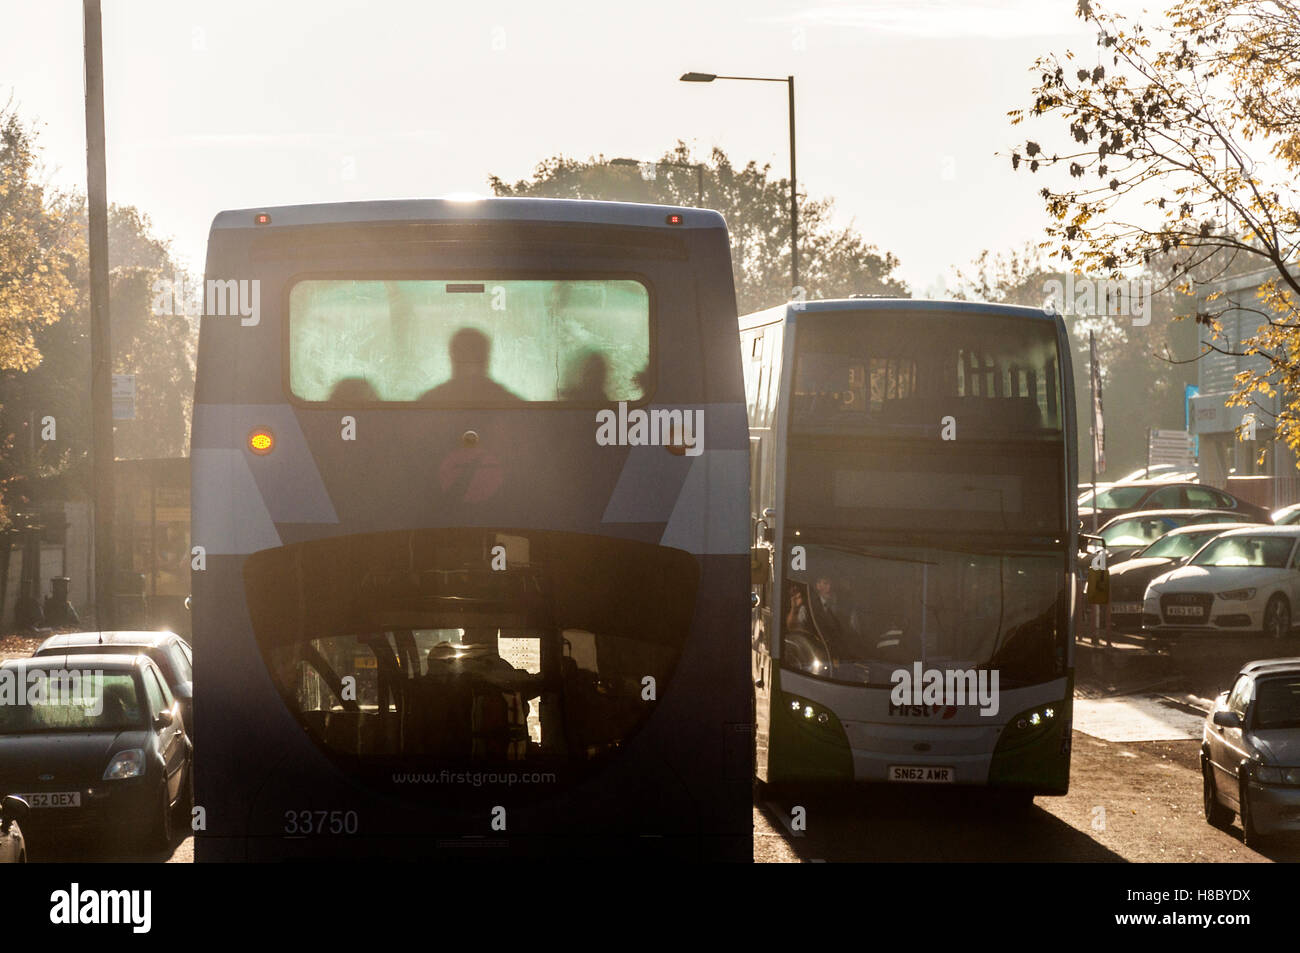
[1252,836]
[1277,618]
[1216,815]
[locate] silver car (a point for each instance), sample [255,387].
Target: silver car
[1250,751]
[13,848]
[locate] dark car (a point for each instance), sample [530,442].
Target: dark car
[1130,532]
[13,811]
[99,748]
[1129,577]
[1152,495]
[170,652]
[1250,751]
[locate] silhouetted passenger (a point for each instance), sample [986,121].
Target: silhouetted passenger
[353,390]
[469,350]
[591,377]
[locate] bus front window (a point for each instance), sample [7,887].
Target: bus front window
[858,615]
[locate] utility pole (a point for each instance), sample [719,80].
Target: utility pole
[101,343]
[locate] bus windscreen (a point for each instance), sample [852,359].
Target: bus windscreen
[869,370]
[481,341]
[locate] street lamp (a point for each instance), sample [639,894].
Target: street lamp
[697,166]
[794,201]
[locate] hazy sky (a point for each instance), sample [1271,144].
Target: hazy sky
[901,103]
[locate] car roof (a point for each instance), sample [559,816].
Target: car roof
[1147,514]
[122,637]
[109,663]
[1271,666]
[1265,529]
[1208,527]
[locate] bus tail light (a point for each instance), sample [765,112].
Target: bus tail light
[261,441]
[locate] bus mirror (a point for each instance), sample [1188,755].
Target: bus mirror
[1098,587]
[760,565]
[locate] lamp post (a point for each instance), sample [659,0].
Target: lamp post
[794,191]
[697,166]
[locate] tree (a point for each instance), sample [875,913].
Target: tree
[1142,371]
[45,426]
[39,245]
[1186,141]
[834,262]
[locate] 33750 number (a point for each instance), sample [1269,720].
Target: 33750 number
[320,822]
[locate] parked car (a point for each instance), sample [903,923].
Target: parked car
[13,811]
[1129,577]
[169,651]
[1127,534]
[106,754]
[1157,495]
[1287,515]
[1246,580]
[1250,751]
[1160,472]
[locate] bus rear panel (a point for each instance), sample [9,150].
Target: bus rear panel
[469,486]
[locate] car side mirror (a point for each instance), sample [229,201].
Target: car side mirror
[1227,719]
[760,565]
[12,808]
[164,719]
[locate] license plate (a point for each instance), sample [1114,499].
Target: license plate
[1126,608]
[920,774]
[53,799]
[1185,610]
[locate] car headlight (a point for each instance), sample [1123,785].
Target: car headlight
[1269,775]
[125,764]
[1236,595]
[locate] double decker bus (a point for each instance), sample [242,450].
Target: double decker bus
[913,499]
[471,547]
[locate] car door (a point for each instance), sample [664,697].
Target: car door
[1231,746]
[171,738]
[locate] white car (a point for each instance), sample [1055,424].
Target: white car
[1247,580]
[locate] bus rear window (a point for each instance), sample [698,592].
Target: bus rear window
[469,342]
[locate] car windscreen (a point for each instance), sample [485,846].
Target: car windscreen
[1262,551]
[34,700]
[1277,703]
[1138,531]
[1176,545]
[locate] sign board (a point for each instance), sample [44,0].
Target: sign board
[123,396]
[1172,447]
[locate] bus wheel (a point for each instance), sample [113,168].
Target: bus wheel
[1216,815]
